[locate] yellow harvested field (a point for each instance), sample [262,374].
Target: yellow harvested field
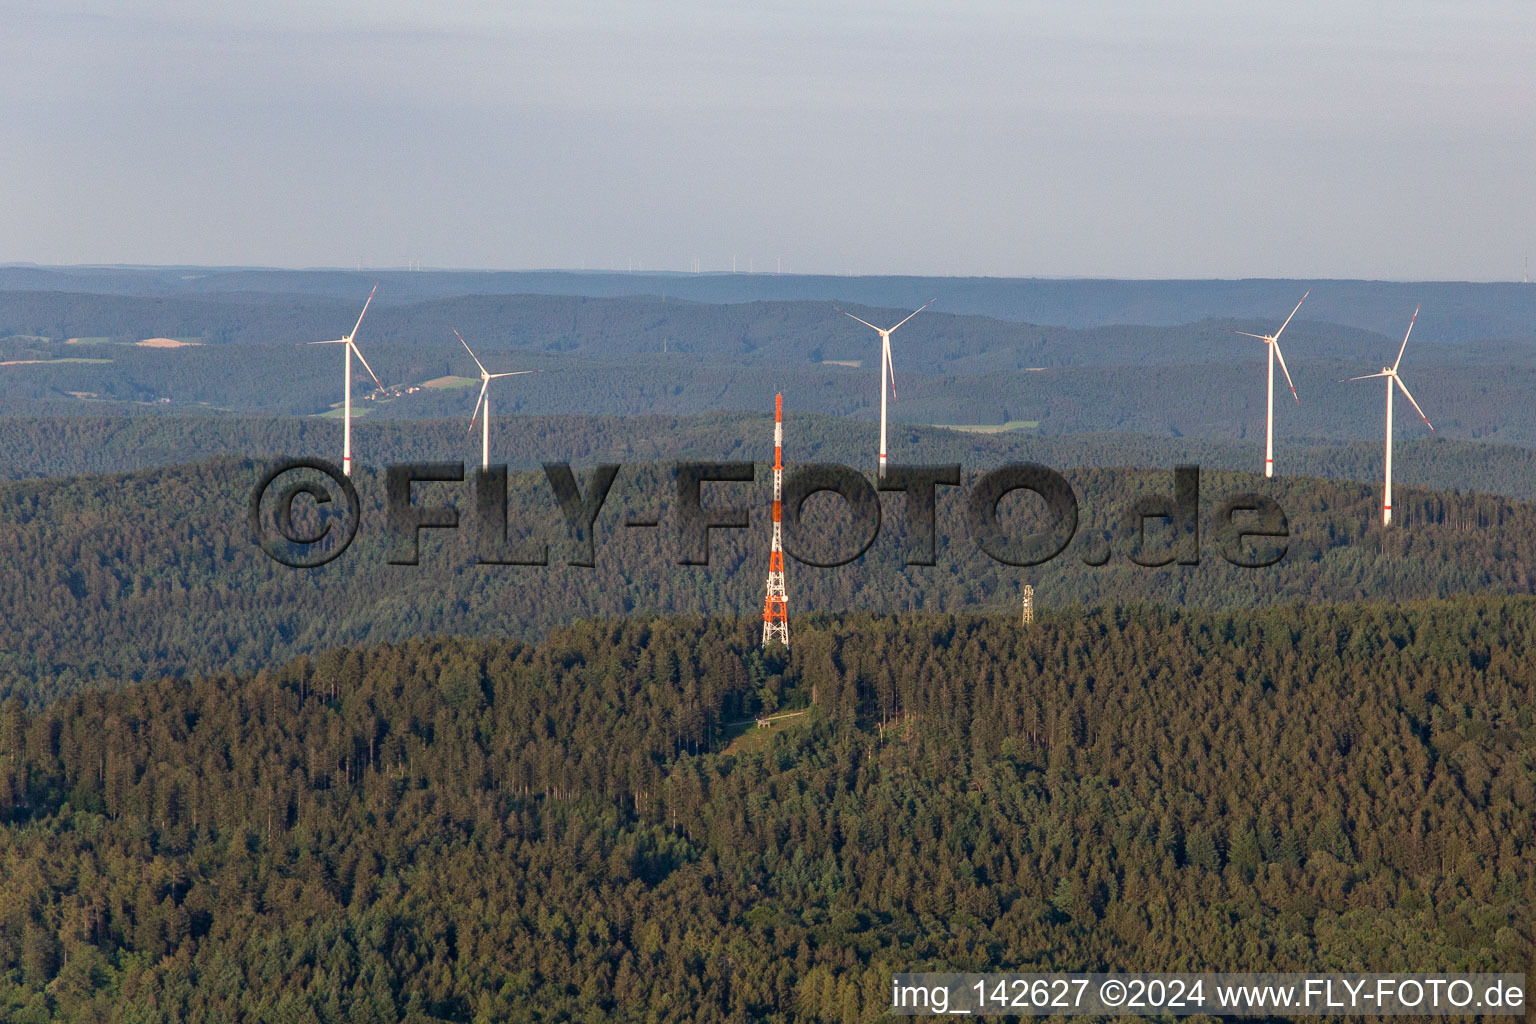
[165,343]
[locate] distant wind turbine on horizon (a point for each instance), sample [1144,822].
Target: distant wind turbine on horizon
[1272,343]
[485,399]
[886,366]
[1390,372]
[346,401]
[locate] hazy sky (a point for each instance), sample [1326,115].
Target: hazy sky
[1382,140]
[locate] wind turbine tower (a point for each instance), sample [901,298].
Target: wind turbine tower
[485,399]
[1272,343]
[346,399]
[886,367]
[776,605]
[1390,373]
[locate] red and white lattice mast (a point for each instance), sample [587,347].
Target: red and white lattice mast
[776,605]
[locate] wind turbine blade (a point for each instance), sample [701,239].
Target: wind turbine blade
[478,402]
[361,315]
[333,341]
[890,366]
[514,373]
[1247,335]
[471,351]
[359,353]
[916,311]
[1293,313]
[1283,370]
[866,323]
[1405,340]
[1408,396]
[1369,376]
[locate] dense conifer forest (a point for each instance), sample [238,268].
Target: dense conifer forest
[496,830]
[120,578]
[44,446]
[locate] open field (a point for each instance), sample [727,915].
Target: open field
[168,342]
[336,411]
[995,428]
[34,362]
[747,737]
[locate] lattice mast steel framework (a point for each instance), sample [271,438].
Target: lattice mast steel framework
[776,604]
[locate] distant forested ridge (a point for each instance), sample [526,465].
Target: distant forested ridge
[454,830]
[129,577]
[77,354]
[1455,310]
[751,332]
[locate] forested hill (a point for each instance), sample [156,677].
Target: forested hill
[485,831]
[47,446]
[119,578]
[1206,401]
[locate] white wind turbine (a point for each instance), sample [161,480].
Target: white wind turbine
[886,367]
[1390,372]
[485,383]
[346,401]
[1272,342]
